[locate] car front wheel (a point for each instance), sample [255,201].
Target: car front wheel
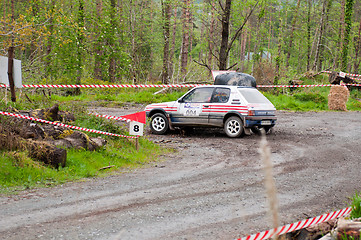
[233,127]
[159,124]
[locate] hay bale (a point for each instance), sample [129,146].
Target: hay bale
[337,98]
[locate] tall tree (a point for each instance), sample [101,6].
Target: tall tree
[357,50]
[226,40]
[166,33]
[348,22]
[111,41]
[80,42]
[290,42]
[223,51]
[98,46]
[211,36]
[308,34]
[172,50]
[185,38]
[320,34]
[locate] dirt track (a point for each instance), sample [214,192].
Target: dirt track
[211,189]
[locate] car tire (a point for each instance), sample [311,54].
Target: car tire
[233,127]
[159,124]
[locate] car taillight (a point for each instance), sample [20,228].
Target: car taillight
[251,113]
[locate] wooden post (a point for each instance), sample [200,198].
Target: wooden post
[10,73]
[137,143]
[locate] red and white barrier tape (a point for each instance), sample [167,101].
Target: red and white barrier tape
[294,86]
[110,86]
[298,225]
[63,125]
[111,117]
[166,86]
[349,74]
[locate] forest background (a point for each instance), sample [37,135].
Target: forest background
[175,41]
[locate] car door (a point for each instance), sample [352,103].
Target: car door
[219,105]
[191,109]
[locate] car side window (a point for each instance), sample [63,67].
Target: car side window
[221,95]
[199,95]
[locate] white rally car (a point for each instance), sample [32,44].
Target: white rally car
[236,109]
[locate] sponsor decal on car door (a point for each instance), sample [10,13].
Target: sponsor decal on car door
[192,113]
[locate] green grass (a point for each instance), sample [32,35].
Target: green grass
[309,99]
[19,172]
[356,206]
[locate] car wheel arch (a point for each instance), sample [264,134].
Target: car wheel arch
[231,114]
[155,111]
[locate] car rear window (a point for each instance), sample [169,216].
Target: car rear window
[252,95]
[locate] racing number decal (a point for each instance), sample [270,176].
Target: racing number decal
[190,112]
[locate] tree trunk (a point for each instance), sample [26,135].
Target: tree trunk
[279,54]
[211,36]
[357,50]
[320,36]
[223,56]
[342,34]
[111,41]
[80,39]
[348,22]
[98,74]
[291,34]
[243,40]
[49,44]
[174,32]
[190,24]
[166,34]
[185,41]
[322,45]
[10,73]
[309,35]
[11,57]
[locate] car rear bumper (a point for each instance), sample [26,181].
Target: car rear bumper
[251,121]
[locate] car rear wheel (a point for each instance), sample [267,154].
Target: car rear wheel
[233,127]
[159,124]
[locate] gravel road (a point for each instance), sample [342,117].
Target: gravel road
[212,188]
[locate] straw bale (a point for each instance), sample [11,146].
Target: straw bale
[337,98]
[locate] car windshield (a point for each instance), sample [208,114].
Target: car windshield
[252,95]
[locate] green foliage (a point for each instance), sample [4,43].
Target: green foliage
[356,206]
[300,100]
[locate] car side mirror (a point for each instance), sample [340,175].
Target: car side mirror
[180,100]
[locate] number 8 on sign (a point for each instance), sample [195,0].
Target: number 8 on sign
[136,128]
